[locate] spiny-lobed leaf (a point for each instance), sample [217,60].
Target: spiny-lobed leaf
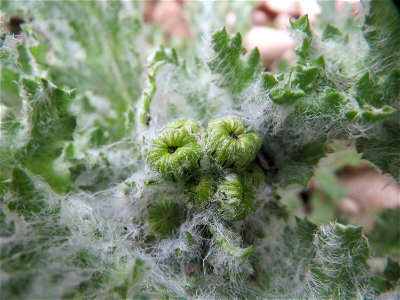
[295,244]
[301,235]
[48,124]
[304,76]
[233,250]
[339,268]
[382,32]
[7,227]
[392,273]
[167,55]
[235,71]
[382,148]
[384,238]
[28,200]
[368,91]
[301,25]
[286,95]
[331,32]
[298,169]
[96,44]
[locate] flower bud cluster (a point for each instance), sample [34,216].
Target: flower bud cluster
[213,167]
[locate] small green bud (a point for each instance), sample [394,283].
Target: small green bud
[230,143]
[190,125]
[175,153]
[236,197]
[201,189]
[164,216]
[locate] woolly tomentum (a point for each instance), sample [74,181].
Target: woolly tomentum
[201,189]
[235,197]
[230,143]
[175,153]
[164,216]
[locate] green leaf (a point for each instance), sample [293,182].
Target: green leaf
[230,243]
[392,271]
[391,86]
[11,140]
[236,251]
[28,199]
[383,148]
[302,235]
[235,71]
[96,45]
[332,100]
[299,168]
[7,228]
[166,55]
[285,95]
[294,245]
[382,32]
[384,237]
[372,114]
[368,91]
[340,258]
[305,50]
[301,24]
[147,97]
[9,87]
[269,81]
[311,153]
[127,276]
[49,125]
[331,32]
[291,172]
[303,77]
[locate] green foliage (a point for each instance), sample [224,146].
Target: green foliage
[384,238]
[231,248]
[50,124]
[28,200]
[234,71]
[392,271]
[192,126]
[339,268]
[331,32]
[382,32]
[382,148]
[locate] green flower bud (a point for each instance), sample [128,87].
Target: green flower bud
[236,197]
[201,189]
[230,143]
[189,125]
[175,153]
[164,216]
